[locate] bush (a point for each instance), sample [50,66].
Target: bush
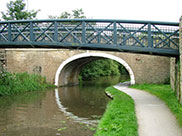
[103,67]
[21,82]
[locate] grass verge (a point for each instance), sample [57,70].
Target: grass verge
[119,118]
[21,82]
[165,93]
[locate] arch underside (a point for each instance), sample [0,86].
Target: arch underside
[68,71]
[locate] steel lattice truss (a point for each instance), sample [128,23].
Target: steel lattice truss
[114,35]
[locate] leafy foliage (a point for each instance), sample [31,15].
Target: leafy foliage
[21,82]
[119,118]
[16,11]
[65,14]
[76,13]
[103,67]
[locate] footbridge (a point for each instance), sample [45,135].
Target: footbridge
[58,49]
[146,37]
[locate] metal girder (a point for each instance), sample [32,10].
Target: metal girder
[132,34]
[20,32]
[150,37]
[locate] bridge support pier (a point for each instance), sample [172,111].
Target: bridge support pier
[175,76]
[3,61]
[176,68]
[180,50]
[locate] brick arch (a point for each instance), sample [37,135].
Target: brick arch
[96,55]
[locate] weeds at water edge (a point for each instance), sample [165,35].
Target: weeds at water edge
[14,83]
[119,118]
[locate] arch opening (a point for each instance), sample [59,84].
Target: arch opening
[68,71]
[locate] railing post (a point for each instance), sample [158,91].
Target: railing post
[115,33]
[98,38]
[124,37]
[55,31]
[150,43]
[9,32]
[83,32]
[31,32]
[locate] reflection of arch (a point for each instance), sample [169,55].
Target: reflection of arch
[92,55]
[71,115]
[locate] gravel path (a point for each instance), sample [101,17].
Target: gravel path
[154,117]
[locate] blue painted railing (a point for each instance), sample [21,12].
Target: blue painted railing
[113,35]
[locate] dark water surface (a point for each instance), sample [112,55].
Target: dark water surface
[66,111]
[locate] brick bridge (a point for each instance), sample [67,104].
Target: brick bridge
[58,49]
[62,66]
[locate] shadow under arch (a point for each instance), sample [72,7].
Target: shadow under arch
[93,55]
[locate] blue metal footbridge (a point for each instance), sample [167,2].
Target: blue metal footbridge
[149,37]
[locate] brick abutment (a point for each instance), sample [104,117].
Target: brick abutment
[3,61]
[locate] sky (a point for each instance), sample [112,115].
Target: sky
[153,10]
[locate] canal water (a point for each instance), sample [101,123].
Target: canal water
[66,111]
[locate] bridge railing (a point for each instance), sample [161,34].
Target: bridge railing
[125,35]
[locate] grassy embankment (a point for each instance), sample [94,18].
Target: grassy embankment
[165,93]
[119,118]
[21,82]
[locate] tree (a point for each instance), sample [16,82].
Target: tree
[103,67]
[16,11]
[65,15]
[76,13]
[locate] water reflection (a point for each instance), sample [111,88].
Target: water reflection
[36,114]
[83,102]
[87,101]
[39,114]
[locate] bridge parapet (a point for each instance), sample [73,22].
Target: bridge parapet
[116,35]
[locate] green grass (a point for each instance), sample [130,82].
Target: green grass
[165,93]
[21,82]
[119,118]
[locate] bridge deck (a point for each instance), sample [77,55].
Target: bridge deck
[115,35]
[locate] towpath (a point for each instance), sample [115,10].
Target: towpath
[154,117]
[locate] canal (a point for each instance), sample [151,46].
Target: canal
[66,111]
